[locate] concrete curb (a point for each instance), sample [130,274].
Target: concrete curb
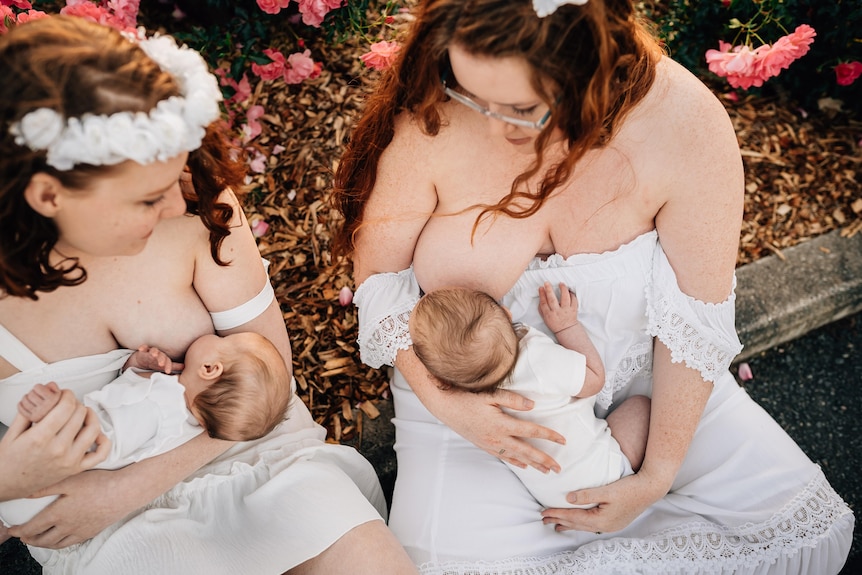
[778,300]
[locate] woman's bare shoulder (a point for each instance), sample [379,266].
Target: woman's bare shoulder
[682,103]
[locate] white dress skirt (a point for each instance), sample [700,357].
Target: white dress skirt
[260,508]
[746,500]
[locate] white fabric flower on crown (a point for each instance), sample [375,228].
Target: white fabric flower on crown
[176,124]
[547,7]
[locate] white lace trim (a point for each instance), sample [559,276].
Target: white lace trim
[695,547]
[637,361]
[385,302]
[701,334]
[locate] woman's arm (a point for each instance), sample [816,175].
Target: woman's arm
[698,226]
[84,509]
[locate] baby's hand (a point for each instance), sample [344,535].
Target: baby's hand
[154,359]
[559,314]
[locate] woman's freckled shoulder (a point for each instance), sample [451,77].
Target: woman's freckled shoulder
[683,102]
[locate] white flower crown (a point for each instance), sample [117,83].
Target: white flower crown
[176,124]
[547,7]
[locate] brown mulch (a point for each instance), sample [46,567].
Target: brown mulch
[801,181]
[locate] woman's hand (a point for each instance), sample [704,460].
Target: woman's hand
[61,444]
[617,505]
[478,418]
[80,512]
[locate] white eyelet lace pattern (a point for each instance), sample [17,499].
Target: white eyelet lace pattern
[385,301]
[636,363]
[695,547]
[701,334]
[379,346]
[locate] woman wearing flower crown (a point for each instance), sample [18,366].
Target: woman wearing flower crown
[517,142]
[104,245]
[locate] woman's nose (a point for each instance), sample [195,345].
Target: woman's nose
[174,204]
[499,127]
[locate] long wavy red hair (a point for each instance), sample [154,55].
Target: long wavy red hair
[600,58]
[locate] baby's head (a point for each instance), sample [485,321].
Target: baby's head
[237,386]
[464,338]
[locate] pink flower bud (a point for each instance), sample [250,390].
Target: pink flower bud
[345,296]
[745,372]
[259,228]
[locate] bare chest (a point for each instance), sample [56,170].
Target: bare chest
[108,312]
[606,202]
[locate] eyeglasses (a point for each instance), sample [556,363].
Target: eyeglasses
[473,105]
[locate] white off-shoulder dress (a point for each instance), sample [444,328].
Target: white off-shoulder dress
[260,508]
[746,500]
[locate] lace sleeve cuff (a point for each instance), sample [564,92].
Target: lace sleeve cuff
[384,302]
[701,334]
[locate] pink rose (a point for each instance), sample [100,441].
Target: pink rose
[30,15]
[22,4]
[274,69]
[96,14]
[381,56]
[5,12]
[125,10]
[744,67]
[314,11]
[299,67]
[847,72]
[272,6]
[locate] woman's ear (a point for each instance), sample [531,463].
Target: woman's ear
[210,371]
[43,194]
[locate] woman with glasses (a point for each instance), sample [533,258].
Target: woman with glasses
[518,142]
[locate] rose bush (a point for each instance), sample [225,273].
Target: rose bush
[707,36]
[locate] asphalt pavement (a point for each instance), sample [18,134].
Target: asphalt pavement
[812,386]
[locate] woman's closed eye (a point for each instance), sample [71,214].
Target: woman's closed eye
[153,202]
[525,111]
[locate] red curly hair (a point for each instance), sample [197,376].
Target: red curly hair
[600,58]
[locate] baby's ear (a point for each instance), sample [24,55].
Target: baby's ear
[43,194]
[211,371]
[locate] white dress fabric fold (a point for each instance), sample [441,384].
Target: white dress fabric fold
[746,500]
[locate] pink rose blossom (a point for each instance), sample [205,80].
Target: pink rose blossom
[272,6]
[381,56]
[300,66]
[125,10]
[21,4]
[274,69]
[847,72]
[345,296]
[241,89]
[745,373]
[30,15]
[745,67]
[5,12]
[314,11]
[94,13]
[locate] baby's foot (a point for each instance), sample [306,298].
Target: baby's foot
[39,401]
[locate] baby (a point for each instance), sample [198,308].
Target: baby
[235,388]
[467,340]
